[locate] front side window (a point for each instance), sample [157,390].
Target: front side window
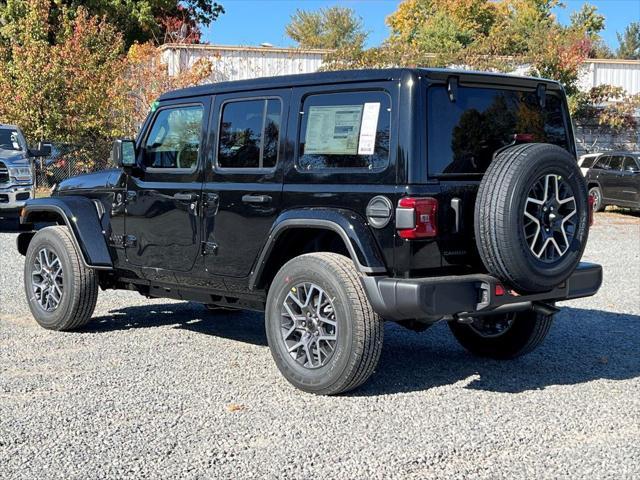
[615,163]
[629,164]
[174,139]
[249,134]
[345,131]
[464,134]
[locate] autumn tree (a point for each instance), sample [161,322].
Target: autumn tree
[329,28]
[588,20]
[629,40]
[137,20]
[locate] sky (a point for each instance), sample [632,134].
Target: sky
[252,22]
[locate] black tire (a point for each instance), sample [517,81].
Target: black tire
[500,216]
[359,329]
[598,204]
[527,331]
[80,285]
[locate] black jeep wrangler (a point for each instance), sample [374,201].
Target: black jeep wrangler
[333,202]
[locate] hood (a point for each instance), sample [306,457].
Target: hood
[90,181]
[14,157]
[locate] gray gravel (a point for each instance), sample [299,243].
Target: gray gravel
[160,389]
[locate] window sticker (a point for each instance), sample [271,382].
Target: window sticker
[333,130]
[368,129]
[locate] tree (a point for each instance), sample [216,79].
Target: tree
[137,20]
[588,20]
[81,89]
[330,28]
[629,42]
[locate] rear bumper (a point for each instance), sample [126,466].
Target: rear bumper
[467,295]
[13,198]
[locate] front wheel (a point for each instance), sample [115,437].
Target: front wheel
[61,290]
[502,336]
[323,334]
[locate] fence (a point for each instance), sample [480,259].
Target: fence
[67,161]
[595,139]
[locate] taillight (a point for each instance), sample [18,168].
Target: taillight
[592,202]
[417,217]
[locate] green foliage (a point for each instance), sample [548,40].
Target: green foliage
[330,28]
[588,19]
[630,42]
[137,20]
[606,106]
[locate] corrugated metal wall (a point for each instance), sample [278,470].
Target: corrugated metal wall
[239,63]
[621,73]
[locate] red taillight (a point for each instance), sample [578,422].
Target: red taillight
[417,217]
[592,202]
[500,291]
[524,137]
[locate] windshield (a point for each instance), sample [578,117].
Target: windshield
[10,139]
[463,135]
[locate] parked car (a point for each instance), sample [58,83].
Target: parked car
[614,179]
[332,202]
[585,162]
[16,172]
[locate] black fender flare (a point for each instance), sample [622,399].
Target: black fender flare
[80,215]
[356,235]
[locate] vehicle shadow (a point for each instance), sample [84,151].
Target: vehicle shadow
[583,346]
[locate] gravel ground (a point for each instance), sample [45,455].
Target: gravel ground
[160,389]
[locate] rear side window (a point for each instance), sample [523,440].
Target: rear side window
[174,139]
[345,131]
[589,162]
[463,135]
[249,134]
[602,162]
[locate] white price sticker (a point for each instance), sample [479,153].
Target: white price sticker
[368,129]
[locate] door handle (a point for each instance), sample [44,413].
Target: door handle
[186,197]
[256,198]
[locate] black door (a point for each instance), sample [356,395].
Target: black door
[162,221]
[243,184]
[613,178]
[630,182]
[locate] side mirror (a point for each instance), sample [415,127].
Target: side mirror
[123,153]
[43,149]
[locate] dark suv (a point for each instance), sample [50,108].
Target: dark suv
[613,178]
[333,202]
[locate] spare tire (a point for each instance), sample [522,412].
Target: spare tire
[532,217]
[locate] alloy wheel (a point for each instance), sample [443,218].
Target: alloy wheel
[550,218]
[308,325]
[47,280]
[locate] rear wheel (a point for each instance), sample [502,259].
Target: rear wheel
[598,204]
[323,334]
[503,336]
[61,290]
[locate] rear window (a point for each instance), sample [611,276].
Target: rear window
[463,135]
[589,162]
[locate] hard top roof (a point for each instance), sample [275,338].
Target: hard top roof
[347,76]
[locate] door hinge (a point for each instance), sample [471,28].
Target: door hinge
[209,248]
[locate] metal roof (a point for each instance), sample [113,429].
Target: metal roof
[347,76]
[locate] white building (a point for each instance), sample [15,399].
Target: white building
[238,63]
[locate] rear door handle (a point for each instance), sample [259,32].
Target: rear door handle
[186,197]
[256,198]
